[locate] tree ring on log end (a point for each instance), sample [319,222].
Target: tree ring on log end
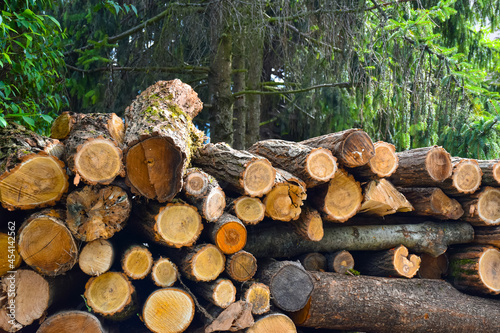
[385,161]
[197,183]
[258,178]
[241,266]
[273,323]
[258,294]
[231,237]
[70,322]
[109,293]
[291,287]
[178,225]
[357,149]
[164,273]
[467,176]
[225,293]
[98,161]
[249,210]
[489,269]
[344,197]
[488,206]
[168,310]
[438,164]
[321,164]
[152,166]
[214,205]
[496,172]
[208,263]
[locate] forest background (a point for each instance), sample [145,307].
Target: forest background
[411,72]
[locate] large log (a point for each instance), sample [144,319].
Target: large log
[313,165]
[160,139]
[483,207]
[376,304]
[382,198]
[31,172]
[429,237]
[431,201]
[71,322]
[237,170]
[352,147]
[491,172]
[284,201]
[383,164]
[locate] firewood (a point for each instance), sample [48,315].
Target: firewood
[487,235]
[10,259]
[313,165]
[309,225]
[249,210]
[338,200]
[352,147]
[93,152]
[433,267]
[234,318]
[396,262]
[237,170]
[290,284]
[71,322]
[273,323]
[491,172]
[46,244]
[314,261]
[339,262]
[382,198]
[422,167]
[228,234]
[431,201]
[482,207]
[137,262]
[421,306]
[284,201]
[160,139]
[31,172]
[241,266]
[64,123]
[96,257]
[259,295]
[220,292]
[97,212]
[203,191]
[203,262]
[466,177]
[168,310]
[174,224]
[111,295]
[383,164]
[429,237]
[164,272]
[476,269]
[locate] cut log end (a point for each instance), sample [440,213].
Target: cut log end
[178,225]
[433,267]
[38,181]
[467,176]
[229,234]
[224,293]
[61,126]
[489,270]
[249,210]
[357,149]
[488,206]
[273,323]
[214,205]
[98,161]
[340,262]
[109,293]
[321,165]
[241,266]
[445,206]
[137,262]
[259,295]
[309,225]
[496,172]
[343,198]
[406,266]
[168,310]
[116,128]
[195,182]
[385,161]
[96,257]
[284,201]
[164,273]
[314,261]
[258,178]
[206,264]
[71,322]
[438,164]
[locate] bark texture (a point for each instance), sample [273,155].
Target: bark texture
[431,201]
[483,207]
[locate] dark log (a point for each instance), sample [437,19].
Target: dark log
[314,261]
[339,262]
[431,201]
[487,235]
[241,266]
[433,267]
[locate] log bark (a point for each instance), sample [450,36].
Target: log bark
[259,295]
[273,323]
[93,148]
[249,210]
[203,191]
[421,306]
[466,177]
[491,172]
[32,174]
[111,295]
[10,259]
[429,237]
[309,225]
[168,310]
[64,123]
[314,166]
[482,207]
[382,198]
[203,262]
[164,273]
[339,262]
[237,170]
[284,201]
[314,261]
[396,262]
[70,322]
[97,212]
[160,139]
[137,262]
[476,269]
[487,235]
[431,201]
[352,147]
[433,267]
[383,164]
[241,266]
[422,167]
[290,284]
[338,200]
[45,244]
[96,257]
[228,234]
[220,292]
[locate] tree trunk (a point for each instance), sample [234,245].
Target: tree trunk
[160,139]
[314,261]
[220,292]
[466,177]
[352,147]
[168,310]
[431,201]
[31,172]
[241,266]
[433,267]
[228,234]
[395,262]
[421,306]
[137,262]
[433,238]
[71,322]
[309,225]
[255,56]
[164,273]
[249,210]
[383,164]
[476,269]
[240,107]
[259,295]
[237,170]
[96,257]
[339,262]
[203,262]
[284,201]
[10,259]
[314,166]
[481,208]
[97,212]
[46,245]
[273,323]
[491,172]
[381,198]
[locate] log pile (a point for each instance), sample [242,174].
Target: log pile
[138,226]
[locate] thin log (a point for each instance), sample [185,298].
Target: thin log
[164,273]
[259,295]
[203,262]
[339,262]
[249,210]
[483,207]
[284,201]
[220,292]
[96,257]
[137,262]
[10,259]
[491,172]
[309,225]
[352,147]
[421,306]
[431,201]
[429,237]
[383,164]
[382,198]
[70,322]
[273,323]
[228,234]
[314,261]
[433,267]
[396,262]
[241,266]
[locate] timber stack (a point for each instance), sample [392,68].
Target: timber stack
[141,226]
